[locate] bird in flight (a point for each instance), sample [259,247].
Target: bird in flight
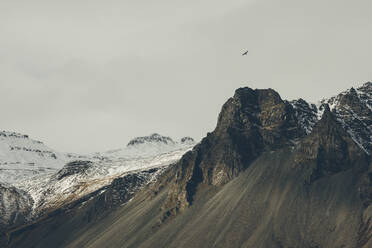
[245,53]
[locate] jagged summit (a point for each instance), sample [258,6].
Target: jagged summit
[187,140]
[251,122]
[329,149]
[352,109]
[306,114]
[257,120]
[14,135]
[260,110]
[153,138]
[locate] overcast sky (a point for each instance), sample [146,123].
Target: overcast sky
[87,76]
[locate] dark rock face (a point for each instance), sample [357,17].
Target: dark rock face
[120,191]
[353,110]
[187,140]
[306,114]
[256,121]
[15,205]
[87,210]
[329,149]
[123,189]
[74,167]
[249,123]
[15,208]
[153,138]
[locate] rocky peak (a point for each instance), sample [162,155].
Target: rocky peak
[351,100]
[353,110]
[329,149]
[260,110]
[151,139]
[327,122]
[249,123]
[305,113]
[14,135]
[365,94]
[187,140]
[366,87]
[254,121]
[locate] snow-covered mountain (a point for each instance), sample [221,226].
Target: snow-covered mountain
[147,146]
[65,182]
[352,108]
[22,157]
[79,178]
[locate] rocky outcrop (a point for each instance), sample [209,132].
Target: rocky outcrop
[153,138]
[15,208]
[187,140]
[353,110]
[329,149]
[249,123]
[305,113]
[122,189]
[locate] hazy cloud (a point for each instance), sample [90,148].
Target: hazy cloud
[86,76]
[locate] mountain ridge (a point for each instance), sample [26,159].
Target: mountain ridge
[273,173]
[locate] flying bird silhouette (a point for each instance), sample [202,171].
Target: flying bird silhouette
[245,53]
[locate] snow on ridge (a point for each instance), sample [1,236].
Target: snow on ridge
[305,114]
[49,191]
[352,108]
[152,138]
[22,157]
[53,187]
[147,146]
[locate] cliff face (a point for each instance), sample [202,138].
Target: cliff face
[250,122]
[329,149]
[15,206]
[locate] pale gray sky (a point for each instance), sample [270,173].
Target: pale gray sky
[86,76]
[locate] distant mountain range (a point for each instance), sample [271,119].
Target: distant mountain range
[22,158]
[273,173]
[36,180]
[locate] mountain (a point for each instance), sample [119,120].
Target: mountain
[89,176]
[273,173]
[148,146]
[352,108]
[22,157]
